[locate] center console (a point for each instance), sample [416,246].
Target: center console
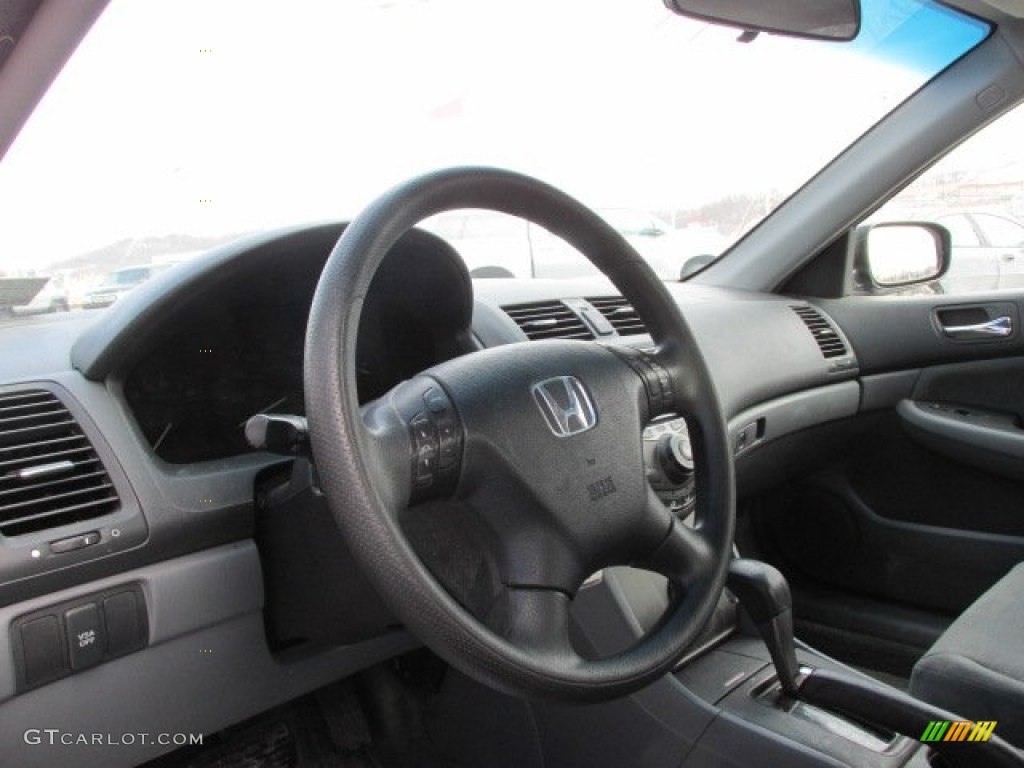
[725,703]
[739,678]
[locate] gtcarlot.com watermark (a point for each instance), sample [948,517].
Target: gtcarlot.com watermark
[55,736]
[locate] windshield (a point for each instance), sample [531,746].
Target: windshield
[181,124]
[128,276]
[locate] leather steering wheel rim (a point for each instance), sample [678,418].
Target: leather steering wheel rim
[363,454]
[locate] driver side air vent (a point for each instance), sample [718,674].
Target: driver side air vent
[825,335]
[548,320]
[620,314]
[50,474]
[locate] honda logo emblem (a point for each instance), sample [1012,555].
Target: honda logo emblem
[566,406]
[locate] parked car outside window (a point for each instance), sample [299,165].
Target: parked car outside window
[977,193]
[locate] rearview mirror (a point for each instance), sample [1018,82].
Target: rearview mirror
[898,254]
[837,20]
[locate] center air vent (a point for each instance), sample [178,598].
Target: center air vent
[824,334]
[50,474]
[548,320]
[620,314]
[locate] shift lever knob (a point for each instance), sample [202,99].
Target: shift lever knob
[764,594]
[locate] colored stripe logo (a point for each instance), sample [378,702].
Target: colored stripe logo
[960,730]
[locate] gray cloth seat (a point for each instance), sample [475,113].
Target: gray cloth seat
[976,668]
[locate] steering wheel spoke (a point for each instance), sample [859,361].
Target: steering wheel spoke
[685,556]
[537,621]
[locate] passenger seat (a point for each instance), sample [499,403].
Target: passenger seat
[976,668]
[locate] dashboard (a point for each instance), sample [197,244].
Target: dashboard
[216,545]
[240,354]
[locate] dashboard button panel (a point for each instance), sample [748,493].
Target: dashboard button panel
[61,639]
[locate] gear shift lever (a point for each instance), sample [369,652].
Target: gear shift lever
[764,594]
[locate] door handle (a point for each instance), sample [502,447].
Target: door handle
[999,327]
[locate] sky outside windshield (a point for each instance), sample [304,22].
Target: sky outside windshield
[183,122]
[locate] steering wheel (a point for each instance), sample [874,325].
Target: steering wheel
[541,439]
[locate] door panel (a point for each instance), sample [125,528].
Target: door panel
[898,522]
[900,333]
[911,524]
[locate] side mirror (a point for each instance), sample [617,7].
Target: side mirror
[695,264]
[900,254]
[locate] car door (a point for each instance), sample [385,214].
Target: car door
[553,257]
[907,512]
[973,266]
[1004,237]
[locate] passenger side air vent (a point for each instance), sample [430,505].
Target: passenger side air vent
[548,320]
[824,334]
[50,474]
[620,314]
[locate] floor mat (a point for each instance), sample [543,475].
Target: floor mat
[269,745]
[295,736]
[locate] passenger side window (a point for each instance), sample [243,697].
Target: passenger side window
[977,193]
